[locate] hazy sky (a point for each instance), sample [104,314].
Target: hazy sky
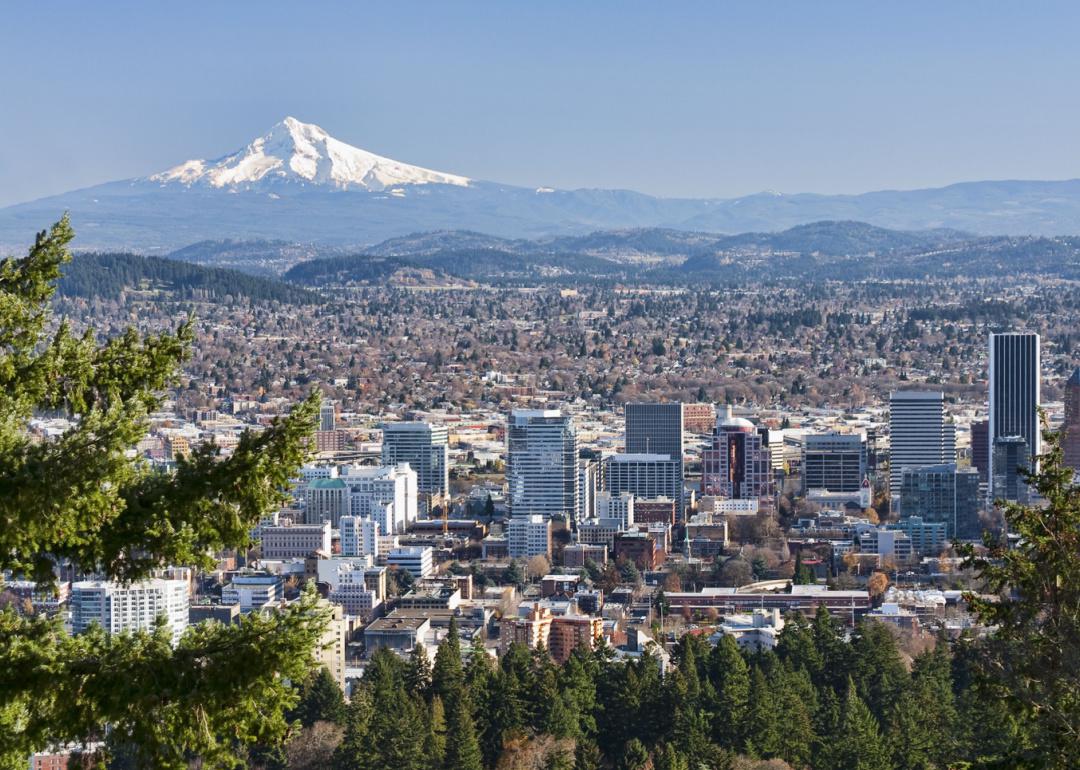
[671,98]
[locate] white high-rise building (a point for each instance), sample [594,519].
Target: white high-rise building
[529,536]
[616,506]
[919,433]
[425,448]
[134,607]
[1014,393]
[359,537]
[418,560]
[645,476]
[386,494]
[542,464]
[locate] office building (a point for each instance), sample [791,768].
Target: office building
[645,476]
[418,560]
[588,486]
[254,593]
[1071,428]
[325,499]
[928,538]
[943,493]
[135,607]
[425,448]
[980,449]
[386,494]
[655,428]
[736,465]
[295,541]
[919,433]
[599,532]
[541,464]
[1010,454]
[616,506]
[327,416]
[529,536]
[1014,394]
[835,462]
[359,537]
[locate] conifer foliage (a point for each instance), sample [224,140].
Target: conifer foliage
[83,498]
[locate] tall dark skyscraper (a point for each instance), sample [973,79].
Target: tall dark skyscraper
[980,448]
[1014,392]
[657,428]
[1071,428]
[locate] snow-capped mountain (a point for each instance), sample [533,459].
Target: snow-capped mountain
[298,184]
[303,153]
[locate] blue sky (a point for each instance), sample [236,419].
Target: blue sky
[678,99]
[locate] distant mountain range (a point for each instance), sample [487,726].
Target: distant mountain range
[298,184]
[817,251]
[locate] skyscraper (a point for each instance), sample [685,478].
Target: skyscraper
[736,465]
[943,493]
[1071,428]
[1014,392]
[541,464]
[327,416]
[919,434]
[646,476]
[834,461]
[425,448]
[980,448]
[657,428]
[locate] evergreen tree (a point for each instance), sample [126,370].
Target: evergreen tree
[321,700]
[435,742]
[357,723]
[84,498]
[857,745]
[447,676]
[731,677]
[635,756]
[670,758]
[418,673]
[1030,661]
[462,745]
[876,666]
[762,729]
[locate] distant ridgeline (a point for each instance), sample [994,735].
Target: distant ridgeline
[107,276]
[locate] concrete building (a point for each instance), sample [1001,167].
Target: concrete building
[542,464]
[1015,380]
[576,554]
[588,487]
[359,537]
[354,593]
[395,633]
[736,464]
[943,493]
[386,494]
[756,631]
[529,536]
[425,448]
[295,541]
[418,560]
[659,510]
[327,416]
[599,532]
[846,605]
[254,593]
[886,543]
[616,506]
[330,651]
[919,433]
[325,499]
[833,461]
[645,476]
[117,607]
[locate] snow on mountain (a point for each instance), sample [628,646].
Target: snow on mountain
[303,153]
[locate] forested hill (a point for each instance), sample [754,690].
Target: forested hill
[96,275]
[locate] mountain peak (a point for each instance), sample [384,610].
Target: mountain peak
[302,153]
